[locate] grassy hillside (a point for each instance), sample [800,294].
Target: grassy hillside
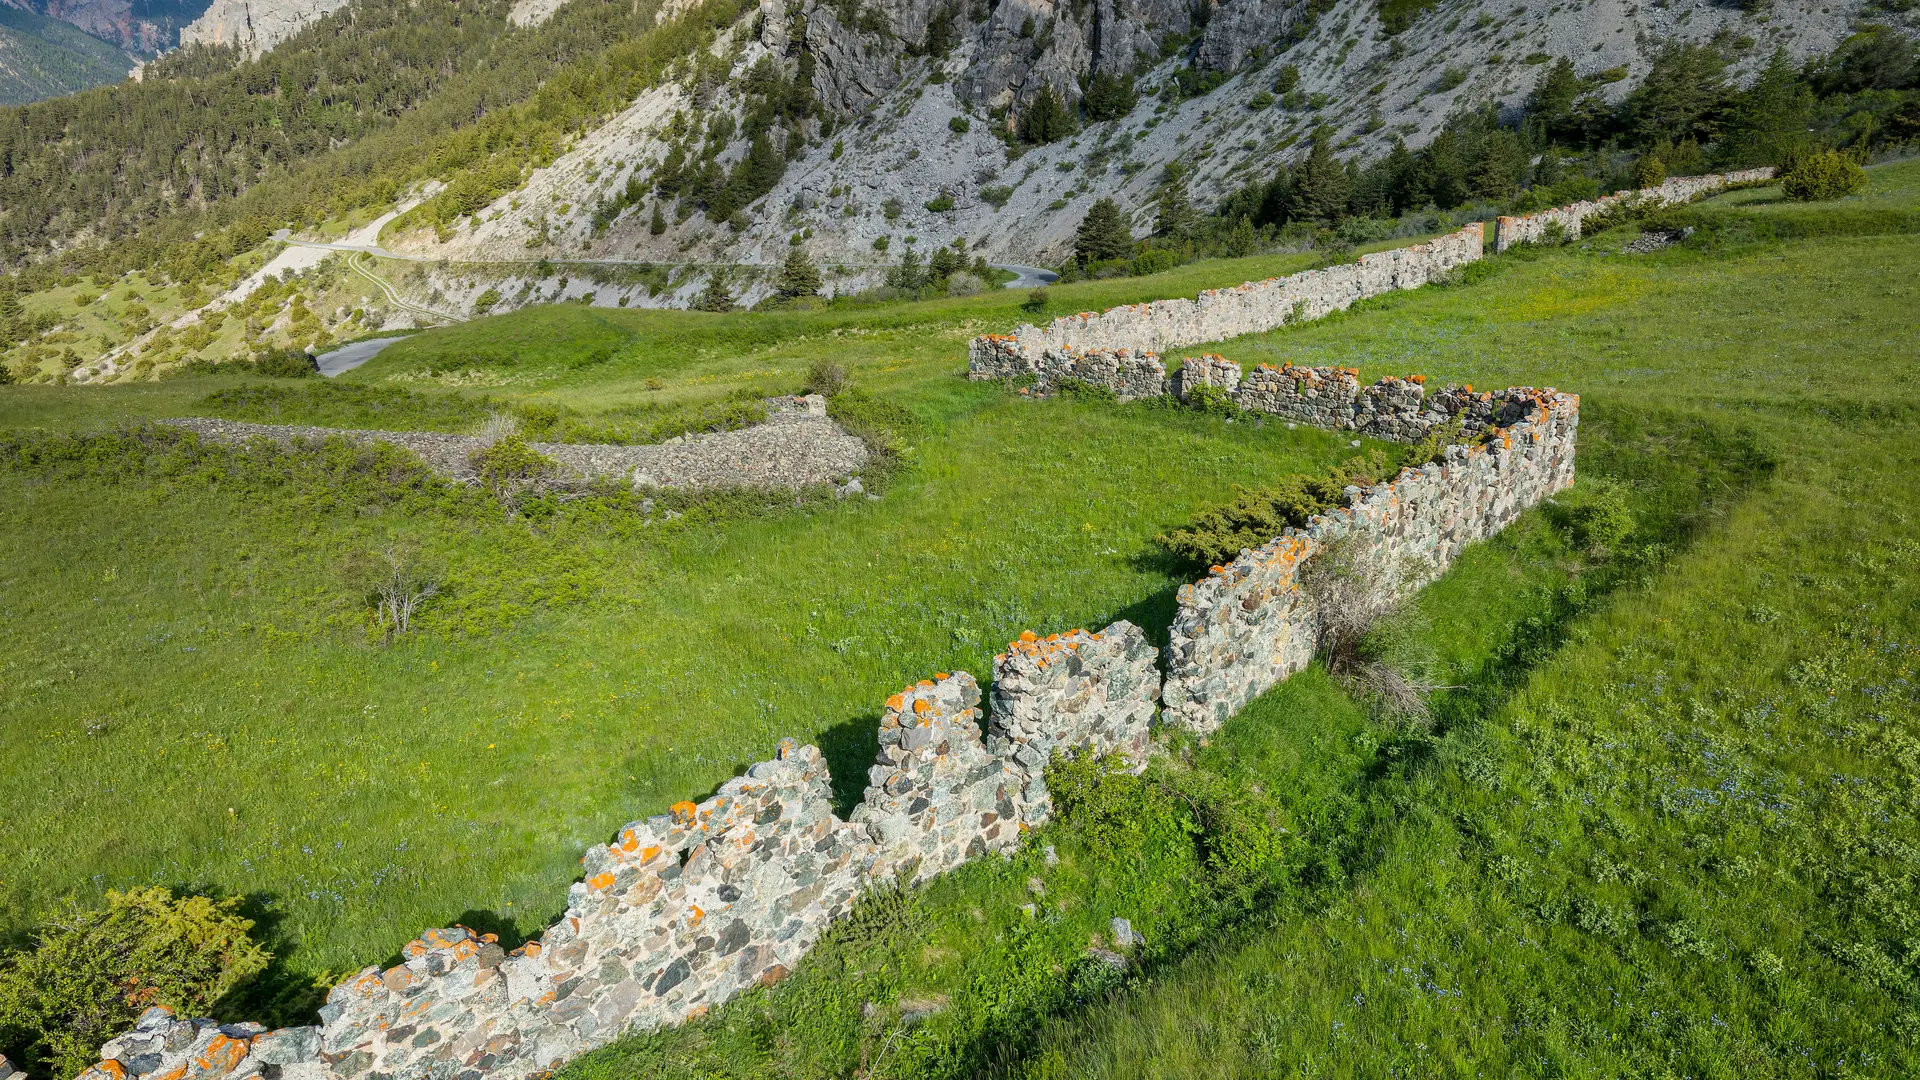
[43,58]
[1665,823]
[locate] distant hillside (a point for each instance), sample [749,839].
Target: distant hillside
[42,58]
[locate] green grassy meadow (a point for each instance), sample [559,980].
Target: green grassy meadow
[1663,823]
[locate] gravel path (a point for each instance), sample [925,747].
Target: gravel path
[798,445]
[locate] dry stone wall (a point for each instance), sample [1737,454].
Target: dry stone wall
[686,909]
[1250,624]
[1216,314]
[1564,222]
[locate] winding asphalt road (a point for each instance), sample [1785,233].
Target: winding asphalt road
[347,357]
[1030,276]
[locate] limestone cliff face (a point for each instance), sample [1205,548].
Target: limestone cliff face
[255,25]
[1012,50]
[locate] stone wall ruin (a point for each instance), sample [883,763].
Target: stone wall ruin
[682,911]
[1215,315]
[1563,223]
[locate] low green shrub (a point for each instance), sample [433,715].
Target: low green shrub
[826,378]
[1082,390]
[510,465]
[889,430]
[1826,175]
[285,364]
[1219,533]
[1212,400]
[325,403]
[1596,517]
[1154,261]
[90,973]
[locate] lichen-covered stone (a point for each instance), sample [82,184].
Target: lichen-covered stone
[1074,691]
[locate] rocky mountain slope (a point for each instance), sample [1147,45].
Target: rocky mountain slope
[915,93]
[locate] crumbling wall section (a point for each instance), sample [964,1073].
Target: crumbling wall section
[1564,222]
[1086,692]
[1251,624]
[937,797]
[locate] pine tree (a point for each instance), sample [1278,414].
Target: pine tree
[942,266]
[658,224]
[1104,234]
[1681,95]
[909,276]
[1766,123]
[799,277]
[718,295]
[1174,219]
[1047,119]
[1109,97]
[1321,186]
[1550,106]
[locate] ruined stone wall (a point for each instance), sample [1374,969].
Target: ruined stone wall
[1216,314]
[1539,227]
[684,910]
[1251,624]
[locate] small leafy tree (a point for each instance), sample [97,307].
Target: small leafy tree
[90,973]
[1103,234]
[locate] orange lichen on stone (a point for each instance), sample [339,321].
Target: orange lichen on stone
[897,702]
[920,706]
[684,811]
[600,882]
[1029,636]
[116,1070]
[221,1055]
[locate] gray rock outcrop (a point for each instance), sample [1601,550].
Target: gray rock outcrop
[254,26]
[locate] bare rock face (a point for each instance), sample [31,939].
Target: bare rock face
[1008,54]
[1240,28]
[255,25]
